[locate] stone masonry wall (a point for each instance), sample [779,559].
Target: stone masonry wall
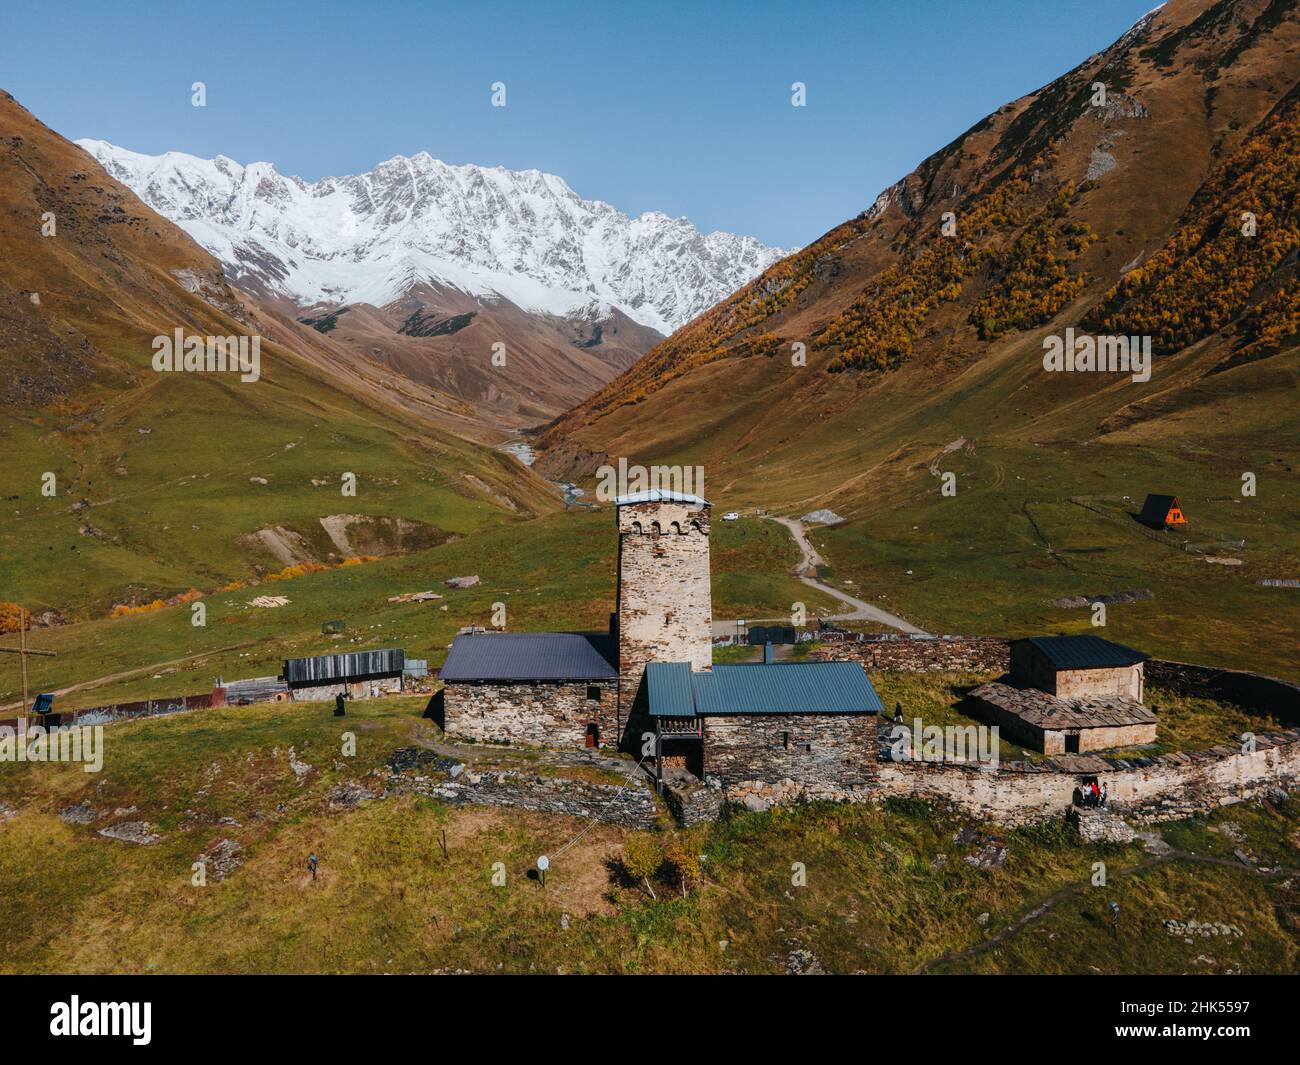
[923,654]
[1251,690]
[1082,683]
[541,714]
[665,606]
[631,805]
[827,750]
[1168,787]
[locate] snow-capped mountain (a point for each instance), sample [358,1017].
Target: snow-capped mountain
[486,231]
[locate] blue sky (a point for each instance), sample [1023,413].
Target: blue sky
[679,107]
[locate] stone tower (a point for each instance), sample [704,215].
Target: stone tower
[665,608]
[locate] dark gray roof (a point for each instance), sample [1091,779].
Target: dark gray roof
[1086,652]
[769,688]
[1156,508]
[506,656]
[355,665]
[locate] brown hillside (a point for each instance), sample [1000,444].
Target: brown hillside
[1056,197]
[126,485]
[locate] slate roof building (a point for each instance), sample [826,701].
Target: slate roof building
[1070,694]
[649,685]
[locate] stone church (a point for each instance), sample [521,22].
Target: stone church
[649,686]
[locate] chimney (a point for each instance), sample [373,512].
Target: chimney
[768,658]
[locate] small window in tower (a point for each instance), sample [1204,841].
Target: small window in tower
[593,693]
[785,740]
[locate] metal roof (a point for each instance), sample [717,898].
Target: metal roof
[354,665]
[769,688]
[506,656]
[1156,508]
[660,495]
[1086,652]
[668,685]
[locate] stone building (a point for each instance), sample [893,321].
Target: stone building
[1069,695]
[649,686]
[809,722]
[556,689]
[1072,667]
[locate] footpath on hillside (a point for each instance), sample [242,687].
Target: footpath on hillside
[807,572]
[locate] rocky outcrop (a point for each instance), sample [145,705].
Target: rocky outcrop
[631,805]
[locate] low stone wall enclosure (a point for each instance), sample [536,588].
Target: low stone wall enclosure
[1140,789]
[1158,788]
[923,654]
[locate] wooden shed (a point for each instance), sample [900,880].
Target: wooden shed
[1162,511]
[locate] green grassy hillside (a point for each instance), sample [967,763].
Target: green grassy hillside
[888,888]
[552,573]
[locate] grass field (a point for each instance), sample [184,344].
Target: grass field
[555,572]
[992,560]
[888,887]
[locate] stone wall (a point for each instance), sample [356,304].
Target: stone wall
[693,803]
[543,714]
[631,805]
[1251,690]
[923,654]
[1166,787]
[827,750]
[1085,683]
[103,715]
[357,689]
[665,606]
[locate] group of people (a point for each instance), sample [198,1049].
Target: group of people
[1091,795]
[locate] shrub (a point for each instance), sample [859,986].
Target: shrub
[683,855]
[642,857]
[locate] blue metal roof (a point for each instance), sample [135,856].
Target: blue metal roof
[669,686]
[775,688]
[506,656]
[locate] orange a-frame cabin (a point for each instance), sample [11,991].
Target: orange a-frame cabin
[1161,511]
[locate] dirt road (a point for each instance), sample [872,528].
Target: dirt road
[807,572]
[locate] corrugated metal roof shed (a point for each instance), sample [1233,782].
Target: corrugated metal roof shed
[507,656]
[668,685]
[776,688]
[1086,652]
[353,665]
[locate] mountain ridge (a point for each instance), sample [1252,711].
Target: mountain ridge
[525,236]
[1054,197]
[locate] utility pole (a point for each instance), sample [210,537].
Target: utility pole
[22,650]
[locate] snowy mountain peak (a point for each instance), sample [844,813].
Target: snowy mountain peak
[525,236]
